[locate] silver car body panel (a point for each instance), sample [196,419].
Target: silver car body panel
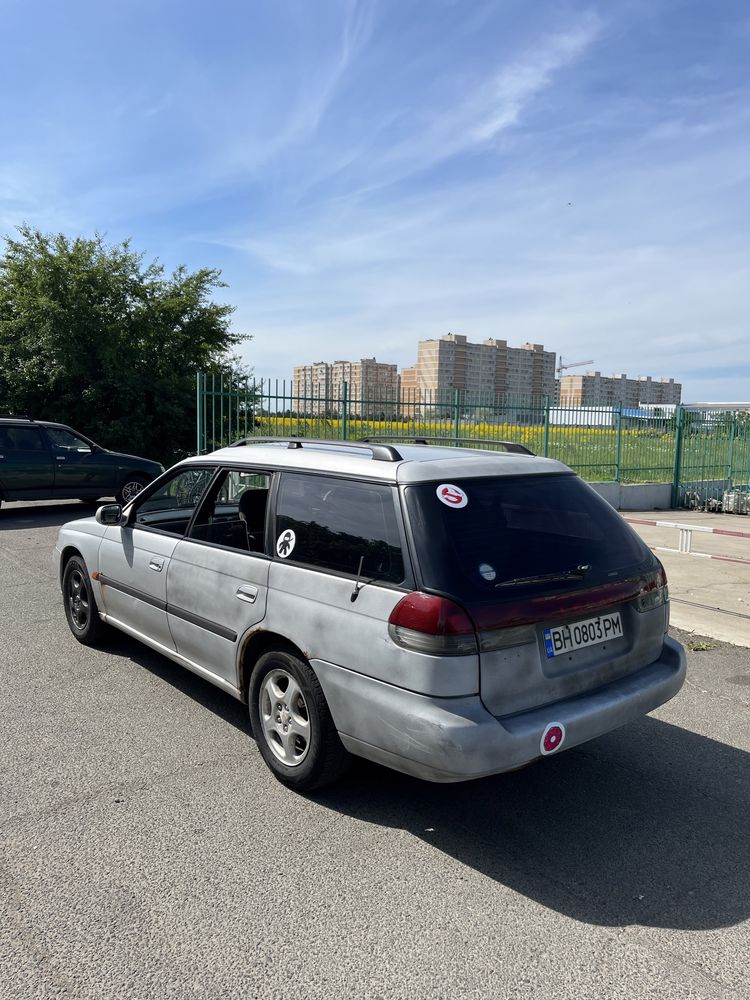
[315,611]
[456,739]
[133,568]
[514,679]
[214,596]
[419,463]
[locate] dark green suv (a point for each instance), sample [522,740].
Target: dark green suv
[40,460]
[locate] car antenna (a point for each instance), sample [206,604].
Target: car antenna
[358,586]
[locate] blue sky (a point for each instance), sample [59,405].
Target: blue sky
[368,174]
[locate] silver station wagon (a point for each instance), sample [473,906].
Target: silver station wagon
[451,613]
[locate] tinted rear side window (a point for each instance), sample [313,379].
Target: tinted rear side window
[337,522]
[519,527]
[21,439]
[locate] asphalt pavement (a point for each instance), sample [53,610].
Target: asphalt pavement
[147,852]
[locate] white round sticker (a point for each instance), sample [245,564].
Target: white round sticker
[285,543]
[451,496]
[487,571]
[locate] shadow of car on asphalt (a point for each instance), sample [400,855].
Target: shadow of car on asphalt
[646,825]
[21,517]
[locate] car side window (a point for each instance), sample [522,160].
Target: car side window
[21,439]
[335,524]
[67,440]
[170,507]
[233,512]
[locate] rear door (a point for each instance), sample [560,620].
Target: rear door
[217,583]
[134,558]
[26,470]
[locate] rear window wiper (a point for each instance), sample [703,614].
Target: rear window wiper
[570,574]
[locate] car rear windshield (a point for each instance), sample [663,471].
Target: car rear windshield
[490,531]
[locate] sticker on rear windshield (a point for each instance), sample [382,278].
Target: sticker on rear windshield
[451,496]
[285,543]
[486,571]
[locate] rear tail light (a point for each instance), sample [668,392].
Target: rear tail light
[654,592]
[427,623]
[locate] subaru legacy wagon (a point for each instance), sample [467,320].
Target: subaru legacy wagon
[451,613]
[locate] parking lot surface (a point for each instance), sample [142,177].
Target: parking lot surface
[147,852]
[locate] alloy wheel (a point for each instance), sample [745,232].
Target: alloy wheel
[285,717]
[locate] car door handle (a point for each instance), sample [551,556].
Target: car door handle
[60,458]
[247,594]
[157,565]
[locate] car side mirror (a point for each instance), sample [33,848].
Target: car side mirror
[110,513]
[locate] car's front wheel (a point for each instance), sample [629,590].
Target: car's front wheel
[292,723]
[80,606]
[130,489]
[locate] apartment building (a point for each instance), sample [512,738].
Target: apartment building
[372,387]
[595,389]
[490,368]
[312,387]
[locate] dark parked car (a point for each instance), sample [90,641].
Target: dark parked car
[41,460]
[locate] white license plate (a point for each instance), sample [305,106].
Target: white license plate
[564,638]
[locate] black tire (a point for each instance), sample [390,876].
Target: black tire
[322,757]
[80,606]
[130,488]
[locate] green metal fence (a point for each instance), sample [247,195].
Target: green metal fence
[700,453]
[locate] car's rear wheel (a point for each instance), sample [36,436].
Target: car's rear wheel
[292,723]
[130,489]
[80,606]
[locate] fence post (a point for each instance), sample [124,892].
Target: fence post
[199,408]
[546,426]
[344,408]
[679,414]
[457,415]
[618,447]
[730,470]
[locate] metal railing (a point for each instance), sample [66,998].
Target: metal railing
[699,453]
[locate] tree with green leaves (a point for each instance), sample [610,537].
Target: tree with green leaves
[92,336]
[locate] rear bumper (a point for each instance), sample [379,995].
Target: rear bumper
[456,739]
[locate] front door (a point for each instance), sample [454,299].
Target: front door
[134,558]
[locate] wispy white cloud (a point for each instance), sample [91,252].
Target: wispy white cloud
[514,86]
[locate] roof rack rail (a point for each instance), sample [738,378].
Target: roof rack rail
[15,416]
[509,446]
[379,452]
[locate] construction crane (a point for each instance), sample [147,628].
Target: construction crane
[573,364]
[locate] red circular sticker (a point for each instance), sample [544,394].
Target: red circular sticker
[552,738]
[451,496]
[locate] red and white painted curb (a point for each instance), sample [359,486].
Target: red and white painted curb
[686,533]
